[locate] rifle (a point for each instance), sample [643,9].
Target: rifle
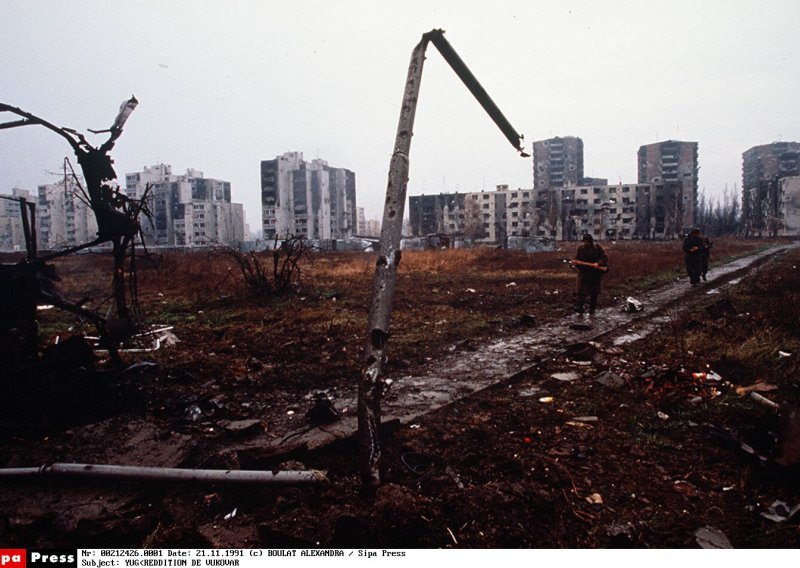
[594,265]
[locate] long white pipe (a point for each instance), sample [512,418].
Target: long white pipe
[137,473]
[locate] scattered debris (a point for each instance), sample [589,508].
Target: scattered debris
[141,365]
[711,537]
[611,380]
[323,411]
[760,386]
[567,376]
[585,419]
[779,512]
[622,535]
[240,427]
[632,305]
[707,376]
[784,354]
[232,514]
[451,472]
[580,352]
[527,320]
[662,415]
[721,309]
[194,413]
[764,400]
[685,488]
[546,399]
[595,499]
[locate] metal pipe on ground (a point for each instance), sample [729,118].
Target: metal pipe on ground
[138,473]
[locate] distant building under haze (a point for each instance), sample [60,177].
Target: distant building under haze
[187,209]
[63,216]
[672,162]
[307,199]
[764,195]
[12,233]
[557,162]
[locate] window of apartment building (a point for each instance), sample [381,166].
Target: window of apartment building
[526,194]
[612,190]
[626,190]
[486,196]
[486,206]
[515,214]
[597,201]
[514,223]
[596,190]
[584,191]
[485,215]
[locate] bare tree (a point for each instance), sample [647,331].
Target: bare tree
[278,277]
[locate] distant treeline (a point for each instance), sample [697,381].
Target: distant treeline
[721,216]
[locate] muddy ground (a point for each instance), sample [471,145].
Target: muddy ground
[636,433]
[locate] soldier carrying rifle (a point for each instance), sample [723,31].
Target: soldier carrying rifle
[591,262]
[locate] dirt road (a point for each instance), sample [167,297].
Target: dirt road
[469,369]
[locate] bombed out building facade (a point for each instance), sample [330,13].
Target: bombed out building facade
[771,190]
[187,209]
[564,204]
[307,199]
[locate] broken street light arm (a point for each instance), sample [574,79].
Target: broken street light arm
[436,37]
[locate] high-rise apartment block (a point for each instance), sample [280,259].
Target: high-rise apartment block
[770,198]
[307,199]
[557,162]
[672,162]
[12,233]
[770,161]
[187,210]
[63,216]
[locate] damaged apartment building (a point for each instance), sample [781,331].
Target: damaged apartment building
[564,204]
[771,190]
[188,209]
[63,217]
[307,199]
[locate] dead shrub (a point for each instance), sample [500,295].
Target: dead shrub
[275,272]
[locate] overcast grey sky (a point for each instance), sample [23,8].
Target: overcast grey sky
[224,85]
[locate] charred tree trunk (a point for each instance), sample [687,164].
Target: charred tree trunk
[116,221]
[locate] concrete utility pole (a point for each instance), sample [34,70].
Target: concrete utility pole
[372,384]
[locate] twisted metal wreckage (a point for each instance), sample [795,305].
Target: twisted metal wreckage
[30,282]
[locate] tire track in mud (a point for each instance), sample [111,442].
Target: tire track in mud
[460,374]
